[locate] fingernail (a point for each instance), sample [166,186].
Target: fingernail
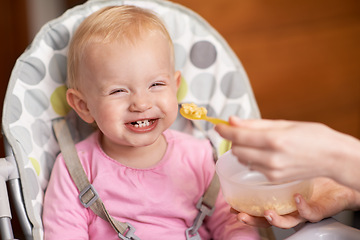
[241,220]
[297,200]
[235,118]
[268,218]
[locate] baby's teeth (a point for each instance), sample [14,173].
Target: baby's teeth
[144,123]
[140,122]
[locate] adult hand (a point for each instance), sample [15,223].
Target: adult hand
[289,150]
[328,199]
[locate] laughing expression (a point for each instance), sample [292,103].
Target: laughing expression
[129,90]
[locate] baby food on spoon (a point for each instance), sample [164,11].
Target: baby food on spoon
[193,112]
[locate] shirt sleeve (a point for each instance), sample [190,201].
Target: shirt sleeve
[63,215]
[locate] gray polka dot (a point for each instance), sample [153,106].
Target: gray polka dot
[180,56]
[232,85]
[232,109]
[58,37]
[211,113]
[47,162]
[203,86]
[33,71]
[16,109]
[32,182]
[22,135]
[36,102]
[41,132]
[57,68]
[203,54]
[183,125]
[174,24]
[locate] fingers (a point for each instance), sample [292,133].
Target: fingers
[311,213]
[286,221]
[253,221]
[271,218]
[274,165]
[246,155]
[243,136]
[254,133]
[257,159]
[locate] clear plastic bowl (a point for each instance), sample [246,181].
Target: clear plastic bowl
[250,191]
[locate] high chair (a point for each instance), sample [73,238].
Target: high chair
[212,76]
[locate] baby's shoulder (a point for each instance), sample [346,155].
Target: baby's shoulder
[88,143]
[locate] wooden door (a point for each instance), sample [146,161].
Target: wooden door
[302,56]
[13,41]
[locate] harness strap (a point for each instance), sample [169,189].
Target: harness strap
[90,198]
[206,203]
[88,195]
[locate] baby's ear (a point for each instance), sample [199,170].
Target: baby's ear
[178,79]
[78,102]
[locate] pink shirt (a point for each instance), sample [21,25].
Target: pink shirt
[160,202]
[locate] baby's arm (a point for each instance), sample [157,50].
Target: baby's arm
[63,215]
[224,225]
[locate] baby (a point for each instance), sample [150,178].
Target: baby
[121,76]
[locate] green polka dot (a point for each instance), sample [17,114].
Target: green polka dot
[224,146]
[36,165]
[183,89]
[58,101]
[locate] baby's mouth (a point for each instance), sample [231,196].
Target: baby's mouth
[143,123]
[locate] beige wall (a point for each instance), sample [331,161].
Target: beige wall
[302,56]
[41,11]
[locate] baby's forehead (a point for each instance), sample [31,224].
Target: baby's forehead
[151,44]
[127,40]
[130,35]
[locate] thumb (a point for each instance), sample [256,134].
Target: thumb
[307,211]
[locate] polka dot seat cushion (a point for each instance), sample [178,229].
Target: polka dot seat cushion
[212,77]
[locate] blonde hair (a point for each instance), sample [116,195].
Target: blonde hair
[116,23]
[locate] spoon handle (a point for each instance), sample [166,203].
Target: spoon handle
[216,120]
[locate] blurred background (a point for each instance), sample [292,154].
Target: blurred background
[302,56]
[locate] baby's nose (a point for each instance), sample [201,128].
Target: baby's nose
[140,103]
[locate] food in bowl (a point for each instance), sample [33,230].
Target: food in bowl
[250,191]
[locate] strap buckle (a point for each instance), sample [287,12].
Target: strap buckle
[192,232]
[129,233]
[87,190]
[190,236]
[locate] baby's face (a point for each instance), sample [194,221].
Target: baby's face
[130,90]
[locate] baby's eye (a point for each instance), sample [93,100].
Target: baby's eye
[115,91]
[157,84]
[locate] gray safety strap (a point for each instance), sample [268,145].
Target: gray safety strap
[206,203]
[88,195]
[206,206]
[90,198]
